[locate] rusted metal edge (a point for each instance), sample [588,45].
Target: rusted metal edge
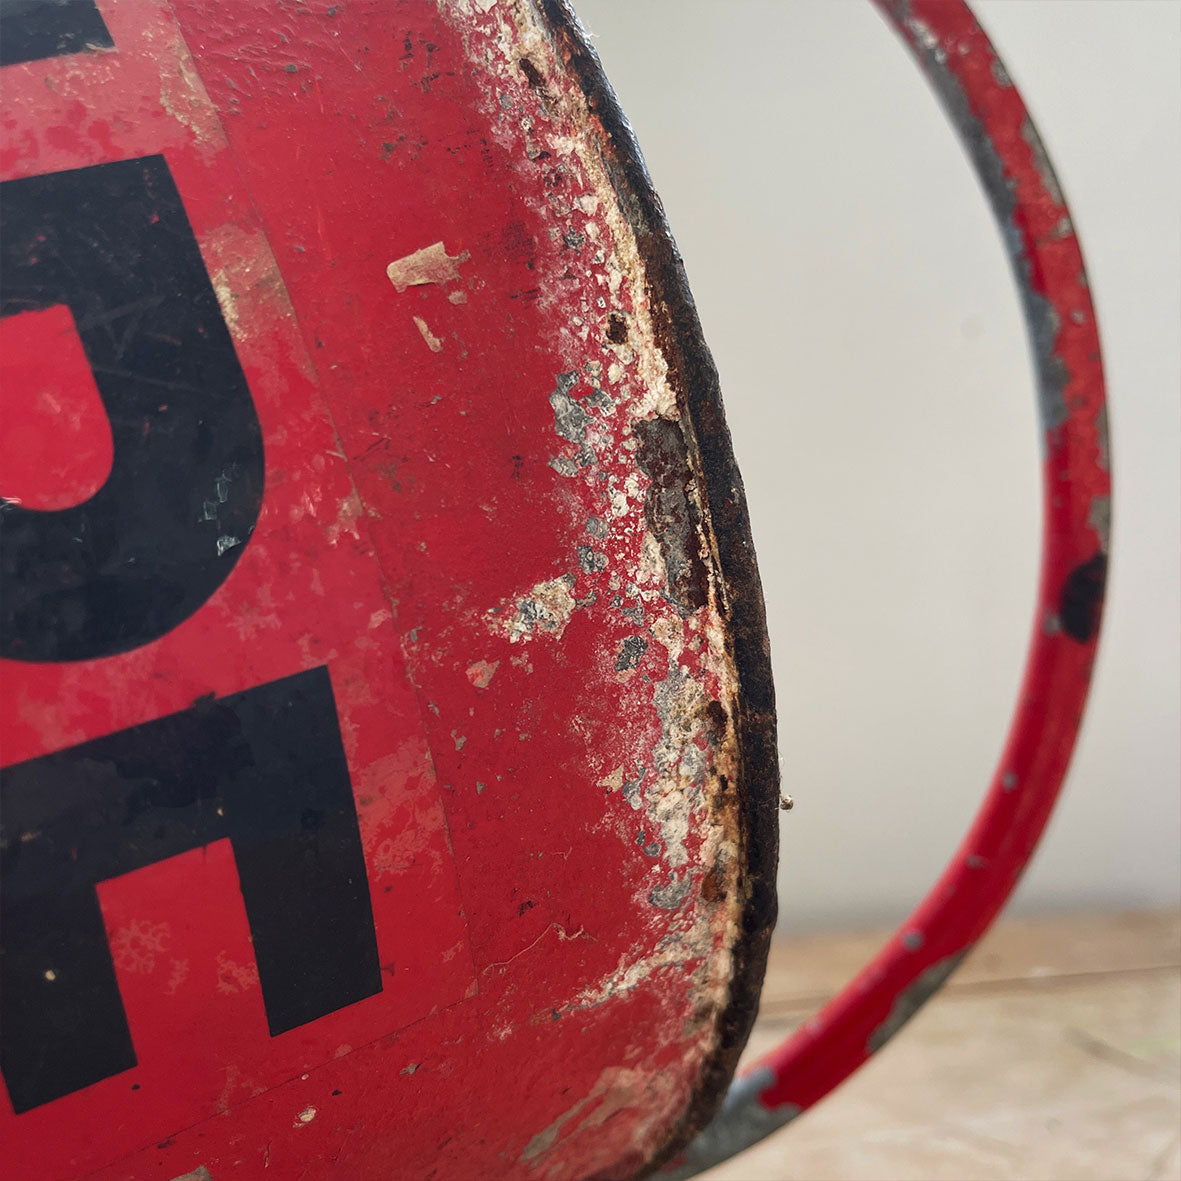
[694,378]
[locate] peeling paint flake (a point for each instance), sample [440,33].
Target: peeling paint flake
[481,673]
[547,608]
[431,264]
[671,895]
[432,341]
[570,420]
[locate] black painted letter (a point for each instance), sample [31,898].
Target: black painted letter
[265,768]
[113,243]
[32,30]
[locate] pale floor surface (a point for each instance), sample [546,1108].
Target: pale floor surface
[1054,1054]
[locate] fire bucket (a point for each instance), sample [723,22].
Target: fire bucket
[388,738]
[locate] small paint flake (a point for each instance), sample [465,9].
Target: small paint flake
[307,1115]
[481,673]
[547,608]
[672,894]
[431,264]
[432,341]
[613,781]
[590,560]
[631,650]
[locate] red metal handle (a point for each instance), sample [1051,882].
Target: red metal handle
[1038,233]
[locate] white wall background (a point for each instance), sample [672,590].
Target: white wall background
[873,363]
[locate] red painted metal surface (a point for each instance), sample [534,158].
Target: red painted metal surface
[1026,198]
[464,557]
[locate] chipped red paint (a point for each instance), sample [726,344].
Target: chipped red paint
[1027,200]
[487,516]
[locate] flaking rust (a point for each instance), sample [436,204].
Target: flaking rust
[626,441]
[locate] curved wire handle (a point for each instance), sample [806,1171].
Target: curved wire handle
[1027,201]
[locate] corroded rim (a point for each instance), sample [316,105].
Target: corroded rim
[694,378]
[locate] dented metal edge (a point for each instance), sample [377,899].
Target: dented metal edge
[694,379]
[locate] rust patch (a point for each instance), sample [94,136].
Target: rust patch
[664,459]
[532,74]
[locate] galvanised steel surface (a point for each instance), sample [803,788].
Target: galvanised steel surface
[388,752]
